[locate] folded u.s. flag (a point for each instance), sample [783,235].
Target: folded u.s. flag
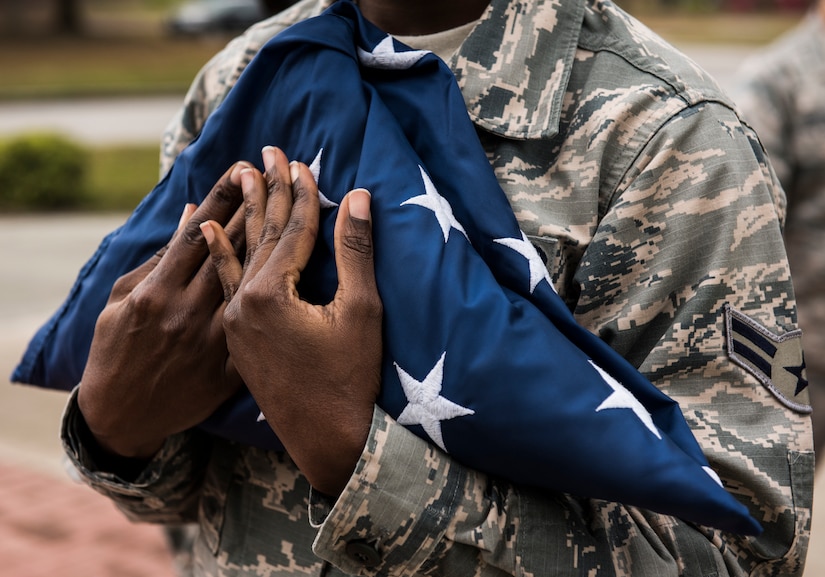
[482,357]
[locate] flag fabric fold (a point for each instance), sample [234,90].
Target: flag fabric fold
[482,357]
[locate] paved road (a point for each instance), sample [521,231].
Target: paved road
[39,257]
[93,121]
[50,525]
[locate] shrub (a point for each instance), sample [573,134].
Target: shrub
[42,172]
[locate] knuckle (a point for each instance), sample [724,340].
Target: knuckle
[271,294]
[123,284]
[358,245]
[298,224]
[274,184]
[302,189]
[251,209]
[271,231]
[220,260]
[191,234]
[224,192]
[176,322]
[144,303]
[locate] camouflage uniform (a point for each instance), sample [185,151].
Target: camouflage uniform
[660,222]
[781,93]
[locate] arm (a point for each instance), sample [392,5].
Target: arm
[158,344]
[693,225]
[697,220]
[164,489]
[150,378]
[408,506]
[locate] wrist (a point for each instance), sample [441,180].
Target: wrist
[329,460]
[109,434]
[100,459]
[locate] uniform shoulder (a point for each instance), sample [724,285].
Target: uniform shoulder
[610,33]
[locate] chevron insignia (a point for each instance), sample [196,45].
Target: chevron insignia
[776,360]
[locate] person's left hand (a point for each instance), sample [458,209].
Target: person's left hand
[158,362]
[313,370]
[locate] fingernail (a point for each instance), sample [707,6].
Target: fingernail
[294,171]
[247,179]
[359,203]
[235,177]
[184,216]
[268,155]
[208,233]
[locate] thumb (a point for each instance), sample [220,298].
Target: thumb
[354,249]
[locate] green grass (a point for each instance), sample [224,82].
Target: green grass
[53,67]
[120,177]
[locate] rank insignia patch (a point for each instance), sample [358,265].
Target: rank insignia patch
[776,360]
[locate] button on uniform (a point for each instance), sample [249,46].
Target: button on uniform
[363,553]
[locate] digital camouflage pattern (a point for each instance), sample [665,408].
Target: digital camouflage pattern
[780,93]
[660,221]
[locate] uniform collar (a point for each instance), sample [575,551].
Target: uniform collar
[514,66]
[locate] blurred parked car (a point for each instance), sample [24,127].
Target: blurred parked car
[215,16]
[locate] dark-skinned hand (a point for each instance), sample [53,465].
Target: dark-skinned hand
[313,370]
[158,363]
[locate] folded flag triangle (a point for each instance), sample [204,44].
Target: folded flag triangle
[482,357]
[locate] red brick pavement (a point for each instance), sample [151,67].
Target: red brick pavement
[52,526]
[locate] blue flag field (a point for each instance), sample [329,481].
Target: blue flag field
[481,356]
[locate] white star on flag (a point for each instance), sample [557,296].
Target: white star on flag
[712,474]
[439,205]
[426,405]
[315,169]
[260,417]
[385,57]
[525,248]
[621,398]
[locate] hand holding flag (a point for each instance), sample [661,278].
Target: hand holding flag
[314,370]
[178,286]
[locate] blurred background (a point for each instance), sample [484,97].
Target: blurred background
[86,89]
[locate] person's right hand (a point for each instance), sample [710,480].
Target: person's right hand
[313,369]
[158,363]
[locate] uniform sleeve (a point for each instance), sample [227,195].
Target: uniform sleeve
[216,78]
[206,92]
[167,488]
[687,277]
[409,508]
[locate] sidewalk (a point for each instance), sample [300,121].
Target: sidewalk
[52,526]
[49,525]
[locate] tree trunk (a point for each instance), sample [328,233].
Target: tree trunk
[68,17]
